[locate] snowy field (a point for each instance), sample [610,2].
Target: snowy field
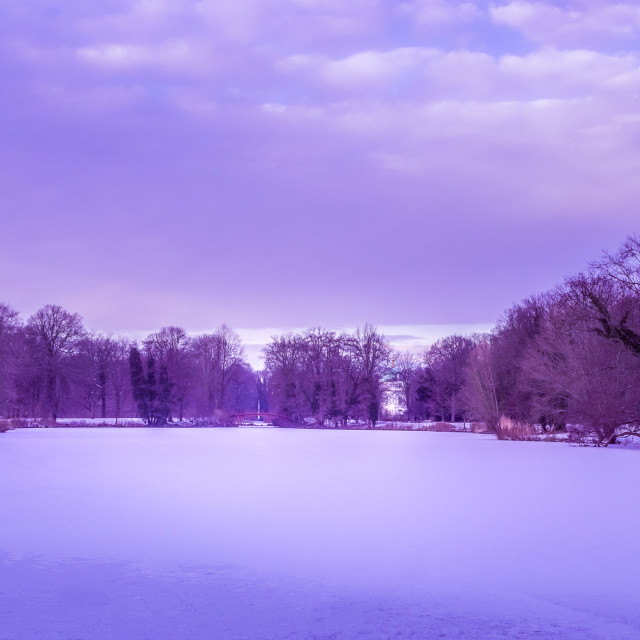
[229,534]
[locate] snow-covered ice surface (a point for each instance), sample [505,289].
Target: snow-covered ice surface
[275,534]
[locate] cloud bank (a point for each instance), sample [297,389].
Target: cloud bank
[297,162]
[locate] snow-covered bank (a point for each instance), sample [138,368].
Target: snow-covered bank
[269,534]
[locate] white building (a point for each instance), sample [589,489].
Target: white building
[393,400]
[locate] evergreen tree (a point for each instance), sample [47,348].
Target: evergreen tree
[152,389]
[163,397]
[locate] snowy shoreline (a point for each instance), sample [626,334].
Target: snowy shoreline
[630,442]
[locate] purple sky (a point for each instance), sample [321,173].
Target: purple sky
[286,163]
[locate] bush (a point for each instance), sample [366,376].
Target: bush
[478,427]
[580,434]
[442,427]
[509,429]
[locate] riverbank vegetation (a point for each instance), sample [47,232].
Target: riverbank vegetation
[563,361]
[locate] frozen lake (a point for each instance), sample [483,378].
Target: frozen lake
[275,534]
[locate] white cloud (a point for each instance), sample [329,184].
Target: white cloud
[580,25]
[581,151]
[436,12]
[547,73]
[364,72]
[429,75]
[235,20]
[184,56]
[377,68]
[465,75]
[288,21]
[553,73]
[626,81]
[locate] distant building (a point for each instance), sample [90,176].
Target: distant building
[393,400]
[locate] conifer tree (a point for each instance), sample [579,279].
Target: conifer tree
[152,389]
[164,396]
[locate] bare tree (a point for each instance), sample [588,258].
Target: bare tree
[54,335]
[611,313]
[407,368]
[515,332]
[480,388]
[320,377]
[100,354]
[622,267]
[231,360]
[10,335]
[372,355]
[218,361]
[120,377]
[447,359]
[608,295]
[170,348]
[581,379]
[283,362]
[327,378]
[243,390]
[205,353]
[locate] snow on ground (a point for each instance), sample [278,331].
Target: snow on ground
[99,421]
[284,534]
[633,442]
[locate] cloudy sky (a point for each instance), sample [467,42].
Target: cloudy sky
[288,163]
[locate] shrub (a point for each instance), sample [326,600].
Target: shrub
[19,423]
[478,427]
[509,429]
[443,427]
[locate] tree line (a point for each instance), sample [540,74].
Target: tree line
[51,366]
[565,359]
